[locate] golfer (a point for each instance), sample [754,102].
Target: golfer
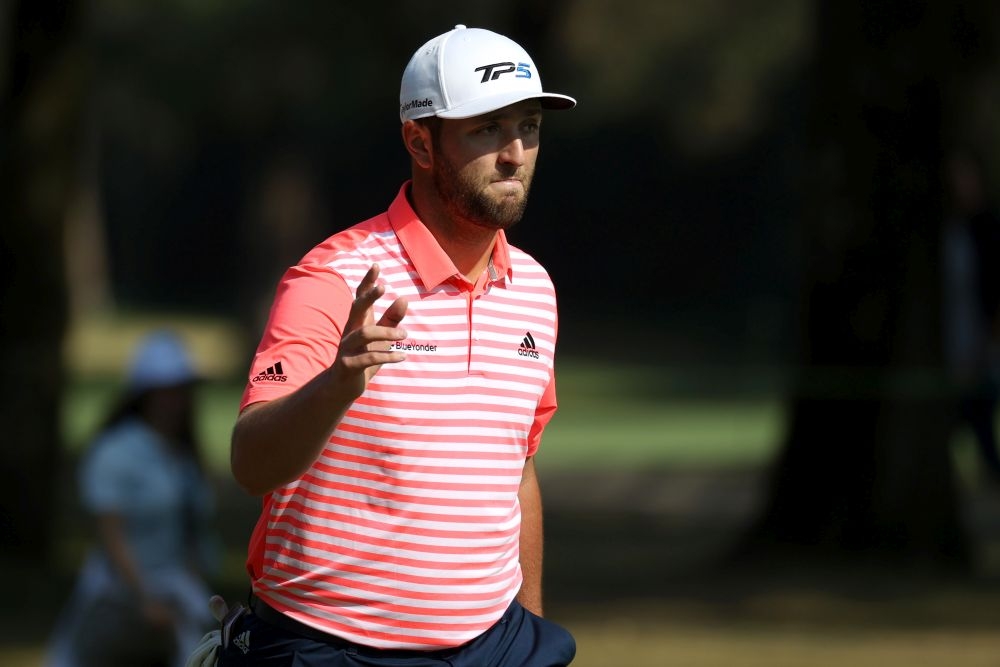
[398,397]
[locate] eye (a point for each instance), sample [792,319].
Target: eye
[490,129]
[531,126]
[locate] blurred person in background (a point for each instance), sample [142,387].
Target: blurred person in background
[971,260]
[140,596]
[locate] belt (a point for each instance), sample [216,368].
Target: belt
[272,616]
[275,618]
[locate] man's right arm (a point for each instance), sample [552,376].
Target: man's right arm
[275,442]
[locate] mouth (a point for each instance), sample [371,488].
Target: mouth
[508,183]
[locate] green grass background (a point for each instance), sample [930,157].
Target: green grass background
[607,418]
[617,419]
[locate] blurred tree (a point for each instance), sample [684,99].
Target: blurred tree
[199,104]
[865,475]
[42,83]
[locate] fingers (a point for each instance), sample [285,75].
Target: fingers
[394,314]
[366,343]
[367,294]
[369,291]
[366,346]
[379,338]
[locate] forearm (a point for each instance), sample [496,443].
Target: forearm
[274,443]
[530,498]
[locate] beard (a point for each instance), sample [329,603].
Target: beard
[467,198]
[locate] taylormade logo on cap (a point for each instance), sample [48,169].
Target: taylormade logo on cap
[470,71]
[416,104]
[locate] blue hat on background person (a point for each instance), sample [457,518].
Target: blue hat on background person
[160,360]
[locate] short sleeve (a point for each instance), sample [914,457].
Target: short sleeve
[302,334]
[543,414]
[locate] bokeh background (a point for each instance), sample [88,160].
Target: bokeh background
[754,461]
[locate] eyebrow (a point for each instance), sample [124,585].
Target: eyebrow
[527,112]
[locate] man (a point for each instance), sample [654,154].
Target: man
[398,396]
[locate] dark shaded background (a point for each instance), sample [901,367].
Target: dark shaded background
[749,193]
[647,214]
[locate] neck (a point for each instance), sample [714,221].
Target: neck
[470,253]
[468,245]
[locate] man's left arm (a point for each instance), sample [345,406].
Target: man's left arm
[530,497]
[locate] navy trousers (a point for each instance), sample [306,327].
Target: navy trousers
[518,639]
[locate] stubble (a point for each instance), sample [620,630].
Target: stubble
[468,198]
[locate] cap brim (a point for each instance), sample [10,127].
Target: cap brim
[483,105]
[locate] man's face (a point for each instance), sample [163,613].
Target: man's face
[483,166]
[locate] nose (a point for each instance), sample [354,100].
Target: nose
[512,152]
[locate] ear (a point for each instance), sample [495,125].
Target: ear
[417,139]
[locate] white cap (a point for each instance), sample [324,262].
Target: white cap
[160,360]
[470,71]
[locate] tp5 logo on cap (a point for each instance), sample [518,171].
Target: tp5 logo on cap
[470,71]
[490,72]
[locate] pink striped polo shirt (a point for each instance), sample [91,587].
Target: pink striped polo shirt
[404,532]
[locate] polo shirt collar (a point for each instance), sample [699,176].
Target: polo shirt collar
[432,264]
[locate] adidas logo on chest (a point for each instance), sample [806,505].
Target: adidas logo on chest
[528,347]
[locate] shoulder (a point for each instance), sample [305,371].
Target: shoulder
[525,267]
[347,252]
[350,241]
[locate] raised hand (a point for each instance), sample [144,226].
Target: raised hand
[367,344]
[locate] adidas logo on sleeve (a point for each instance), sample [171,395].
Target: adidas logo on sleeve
[273,373]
